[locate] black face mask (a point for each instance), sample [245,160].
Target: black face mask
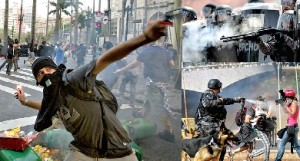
[49,79]
[51,100]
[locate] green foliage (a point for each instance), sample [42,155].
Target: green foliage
[63,5]
[81,20]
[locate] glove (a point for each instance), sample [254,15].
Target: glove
[280,37]
[228,101]
[253,37]
[238,99]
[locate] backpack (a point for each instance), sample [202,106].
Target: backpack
[240,116]
[265,124]
[113,131]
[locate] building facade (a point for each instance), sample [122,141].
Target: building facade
[129,17]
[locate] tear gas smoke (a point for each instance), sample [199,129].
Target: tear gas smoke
[198,38]
[251,101]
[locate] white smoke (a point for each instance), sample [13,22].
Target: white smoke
[251,101]
[197,37]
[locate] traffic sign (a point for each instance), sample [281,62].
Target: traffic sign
[105,20]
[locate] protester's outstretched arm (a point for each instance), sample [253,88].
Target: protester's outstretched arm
[154,30]
[20,95]
[132,65]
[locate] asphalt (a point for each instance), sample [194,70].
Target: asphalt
[154,148]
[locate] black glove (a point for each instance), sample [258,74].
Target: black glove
[238,99]
[253,37]
[228,101]
[280,37]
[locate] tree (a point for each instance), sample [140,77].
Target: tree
[60,7]
[89,18]
[81,22]
[33,20]
[75,4]
[5,32]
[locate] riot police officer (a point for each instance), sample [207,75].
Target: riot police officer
[221,52]
[281,46]
[211,111]
[287,5]
[189,14]
[222,15]
[207,11]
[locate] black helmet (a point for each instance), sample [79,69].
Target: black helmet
[255,1]
[288,3]
[260,98]
[208,9]
[222,13]
[214,84]
[286,21]
[189,14]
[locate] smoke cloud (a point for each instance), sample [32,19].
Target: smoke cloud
[197,5]
[198,37]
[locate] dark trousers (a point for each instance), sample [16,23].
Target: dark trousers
[132,80]
[15,62]
[3,64]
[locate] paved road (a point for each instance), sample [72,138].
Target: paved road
[13,114]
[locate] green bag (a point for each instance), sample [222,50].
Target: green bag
[27,155]
[138,151]
[58,139]
[139,128]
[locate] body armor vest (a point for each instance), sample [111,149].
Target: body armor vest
[217,113]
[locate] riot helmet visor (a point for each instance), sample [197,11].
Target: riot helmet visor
[287,2]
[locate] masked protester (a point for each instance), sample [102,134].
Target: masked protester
[281,46]
[84,118]
[291,134]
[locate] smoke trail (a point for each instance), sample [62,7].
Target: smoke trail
[250,101]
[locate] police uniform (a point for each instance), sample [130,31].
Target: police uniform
[211,112]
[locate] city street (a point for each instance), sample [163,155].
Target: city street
[13,114]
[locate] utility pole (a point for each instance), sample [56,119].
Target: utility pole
[20,21]
[93,37]
[71,29]
[178,44]
[12,30]
[99,6]
[98,35]
[121,38]
[145,14]
[47,23]
[134,25]
[128,9]
[109,19]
